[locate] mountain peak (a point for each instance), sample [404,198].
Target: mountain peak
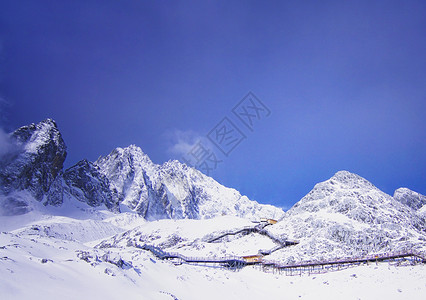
[335,193]
[134,151]
[349,180]
[49,122]
[129,155]
[34,136]
[344,173]
[38,159]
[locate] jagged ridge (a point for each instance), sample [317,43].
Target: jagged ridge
[124,179]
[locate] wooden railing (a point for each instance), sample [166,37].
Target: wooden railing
[237,261]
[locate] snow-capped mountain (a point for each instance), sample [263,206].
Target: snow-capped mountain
[34,161]
[124,179]
[348,216]
[173,190]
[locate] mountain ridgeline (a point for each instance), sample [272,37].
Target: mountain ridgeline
[124,179]
[31,171]
[345,215]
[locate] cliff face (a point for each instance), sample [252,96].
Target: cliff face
[85,183]
[35,160]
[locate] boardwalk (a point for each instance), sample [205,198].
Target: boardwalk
[229,261]
[233,262]
[411,256]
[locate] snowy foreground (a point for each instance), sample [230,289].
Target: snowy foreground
[55,257]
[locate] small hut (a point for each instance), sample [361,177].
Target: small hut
[269,221]
[252,259]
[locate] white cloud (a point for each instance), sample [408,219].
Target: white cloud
[181,142]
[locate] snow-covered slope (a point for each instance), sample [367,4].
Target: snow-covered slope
[410,198]
[65,228]
[50,268]
[189,237]
[348,216]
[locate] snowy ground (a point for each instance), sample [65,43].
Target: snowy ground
[25,275]
[54,257]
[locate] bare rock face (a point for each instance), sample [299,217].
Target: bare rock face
[85,183]
[34,160]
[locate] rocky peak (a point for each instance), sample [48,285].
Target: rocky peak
[173,169]
[85,183]
[34,136]
[131,155]
[36,161]
[126,170]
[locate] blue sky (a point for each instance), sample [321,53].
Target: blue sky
[344,81]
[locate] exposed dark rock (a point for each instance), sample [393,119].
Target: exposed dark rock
[85,183]
[35,161]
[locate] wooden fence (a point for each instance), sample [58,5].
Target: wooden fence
[311,267]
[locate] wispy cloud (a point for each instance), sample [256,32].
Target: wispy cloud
[180,142]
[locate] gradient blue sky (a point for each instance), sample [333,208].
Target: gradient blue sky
[345,82]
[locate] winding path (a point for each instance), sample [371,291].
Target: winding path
[239,262]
